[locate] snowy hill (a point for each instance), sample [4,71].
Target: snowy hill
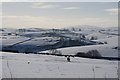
[106,50]
[68,42]
[85,27]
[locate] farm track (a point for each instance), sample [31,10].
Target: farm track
[22,42]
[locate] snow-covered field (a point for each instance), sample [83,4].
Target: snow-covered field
[0,66]
[106,50]
[99,35]
[20,65]
[10,40]
[45,66]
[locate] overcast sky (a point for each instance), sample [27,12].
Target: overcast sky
[59,14]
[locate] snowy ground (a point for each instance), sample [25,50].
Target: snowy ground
[0,66]
[46,66]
